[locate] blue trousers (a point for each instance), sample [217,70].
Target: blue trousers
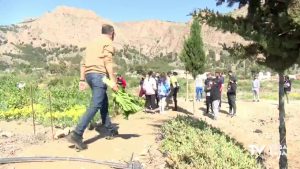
[99,101]
[199,91]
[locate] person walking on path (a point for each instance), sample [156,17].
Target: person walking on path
[215,98]
[208,83]
[96,65]
[199,87]
[150,87]
[287,87]
[163,92]
[255,89]
[231,95]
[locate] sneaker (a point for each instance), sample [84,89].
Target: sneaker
[76,139]
[108,132]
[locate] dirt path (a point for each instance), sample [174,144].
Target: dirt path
[255,124]
[136,135]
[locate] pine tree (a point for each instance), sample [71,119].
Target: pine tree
[274,31]
[192,54]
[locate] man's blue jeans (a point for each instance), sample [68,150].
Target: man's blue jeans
[99,101]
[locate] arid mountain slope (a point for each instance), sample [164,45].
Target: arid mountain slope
[67,26]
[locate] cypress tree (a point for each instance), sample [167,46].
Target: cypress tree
[192,54]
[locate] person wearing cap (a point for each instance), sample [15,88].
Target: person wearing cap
[95,66]
[255,88]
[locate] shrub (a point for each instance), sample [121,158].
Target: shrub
[192,143]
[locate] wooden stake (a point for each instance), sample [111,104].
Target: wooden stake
[32,109]
[51,116]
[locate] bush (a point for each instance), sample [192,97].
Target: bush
[192,143]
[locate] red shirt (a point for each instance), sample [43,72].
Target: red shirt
[122,82]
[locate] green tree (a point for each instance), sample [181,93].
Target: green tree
[274,29]
[192,54]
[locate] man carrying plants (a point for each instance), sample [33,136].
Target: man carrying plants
[95,66]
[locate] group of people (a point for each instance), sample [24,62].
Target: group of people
[159,89]
[213,87]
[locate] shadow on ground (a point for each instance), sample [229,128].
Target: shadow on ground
[183,110]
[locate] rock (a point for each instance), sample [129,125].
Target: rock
[62,133]
[257,131]
[6,134]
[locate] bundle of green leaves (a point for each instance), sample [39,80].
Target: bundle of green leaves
[128,103]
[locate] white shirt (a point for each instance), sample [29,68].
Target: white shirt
[149,86]
[199,82]
[255,84]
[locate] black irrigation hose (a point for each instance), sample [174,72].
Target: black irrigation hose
[134,165]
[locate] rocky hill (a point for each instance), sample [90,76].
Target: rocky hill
[68,26]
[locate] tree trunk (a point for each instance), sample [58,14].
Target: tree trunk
[283,163]
[245,69]
[187,87]
[194,96]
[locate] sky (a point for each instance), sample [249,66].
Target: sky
[14,11]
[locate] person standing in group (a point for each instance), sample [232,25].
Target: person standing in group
[121,81]
[163,92]
[199,87]
[157,79]
[220,82]
[150,87]
[231,95]
[287,87]
[175,89]
[232,77]
[169,97]
[215,97]
[207,88]
[255,88]
[96,65]
[142,91]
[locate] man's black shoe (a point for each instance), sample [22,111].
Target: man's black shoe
[91,126]
[76,139]
[108,132]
